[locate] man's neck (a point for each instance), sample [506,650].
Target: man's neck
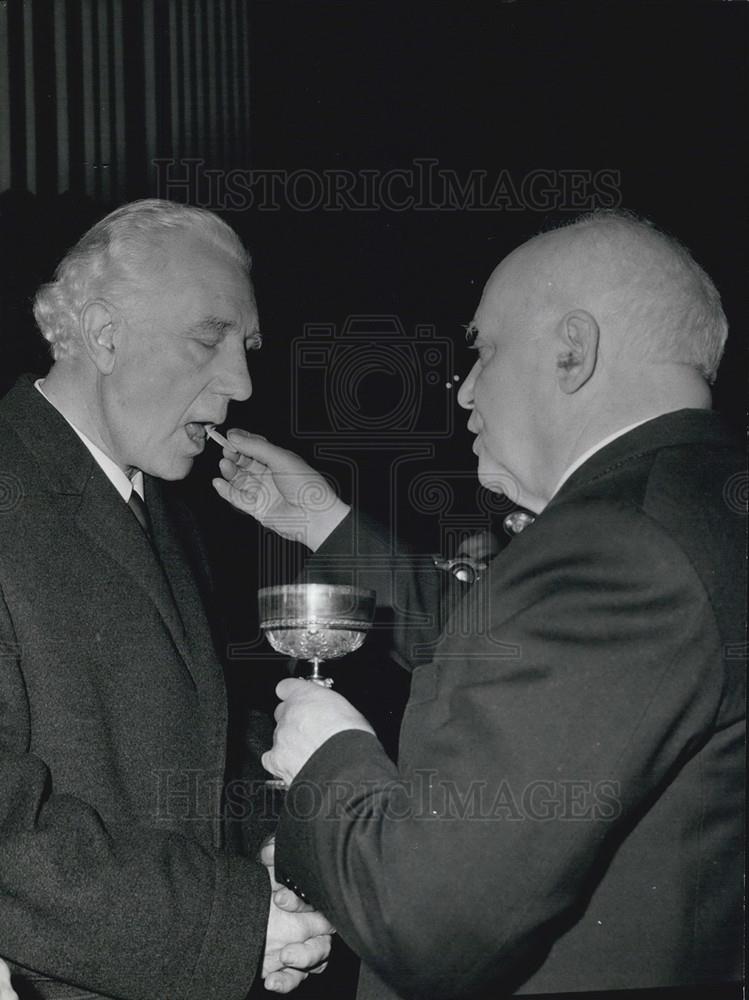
[679,390]
[123,480]
[590,452]
[71,396]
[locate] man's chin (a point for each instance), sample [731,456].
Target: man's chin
[171,469]
[501,481]
[504,483]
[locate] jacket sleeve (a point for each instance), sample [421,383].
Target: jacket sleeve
[414,598]
[530,746]
[125,911]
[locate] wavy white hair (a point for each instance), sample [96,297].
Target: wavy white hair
[114,255]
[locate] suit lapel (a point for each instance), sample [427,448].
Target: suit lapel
[105,518]
[206,667]
[182,578]
[83,491]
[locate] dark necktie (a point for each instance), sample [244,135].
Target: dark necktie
[140,510]
[138,507]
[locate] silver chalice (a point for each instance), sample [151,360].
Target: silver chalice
[316,621]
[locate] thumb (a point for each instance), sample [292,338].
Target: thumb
[267,852]
[293,687]
[258,447]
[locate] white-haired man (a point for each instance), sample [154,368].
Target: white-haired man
[116,878]
[566,811]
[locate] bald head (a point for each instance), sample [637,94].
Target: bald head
[580,333]
[651,300]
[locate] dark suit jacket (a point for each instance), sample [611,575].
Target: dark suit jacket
[114,875]
[566,813]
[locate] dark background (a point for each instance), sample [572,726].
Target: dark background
[655,93]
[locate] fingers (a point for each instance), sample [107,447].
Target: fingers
[291,687]
[306,955]
[269,764]
[247,436]
[241,474]
[268,852]
[234,462]
[284,981]
[284,970]
[287,900]
[267,858]
[244,489]
[245,500]
[295,943]
[317,925]
[257,447]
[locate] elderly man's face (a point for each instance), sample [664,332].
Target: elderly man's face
[180,358]
[507,387]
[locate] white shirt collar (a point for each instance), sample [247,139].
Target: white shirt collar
[591,451]
[116,475]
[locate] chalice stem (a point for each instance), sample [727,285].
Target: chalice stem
[316,677]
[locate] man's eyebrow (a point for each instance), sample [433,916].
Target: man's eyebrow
[218,327]
[211,324]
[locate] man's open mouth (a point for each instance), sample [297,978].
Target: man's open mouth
[196,431]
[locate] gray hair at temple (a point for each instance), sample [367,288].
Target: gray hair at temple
[671,306]
[115,255]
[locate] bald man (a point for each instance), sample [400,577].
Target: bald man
[566,811]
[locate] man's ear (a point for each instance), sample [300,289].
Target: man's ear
[577,336]
[98,325]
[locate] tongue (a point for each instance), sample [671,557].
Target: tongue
[195,431]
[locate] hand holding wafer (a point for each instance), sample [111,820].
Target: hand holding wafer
[277,488]
[214,435]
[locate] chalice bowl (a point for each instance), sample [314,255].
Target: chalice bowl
[316,621]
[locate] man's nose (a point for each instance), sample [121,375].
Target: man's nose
[244,387]
[234,380]
[465,393]
[242,382]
